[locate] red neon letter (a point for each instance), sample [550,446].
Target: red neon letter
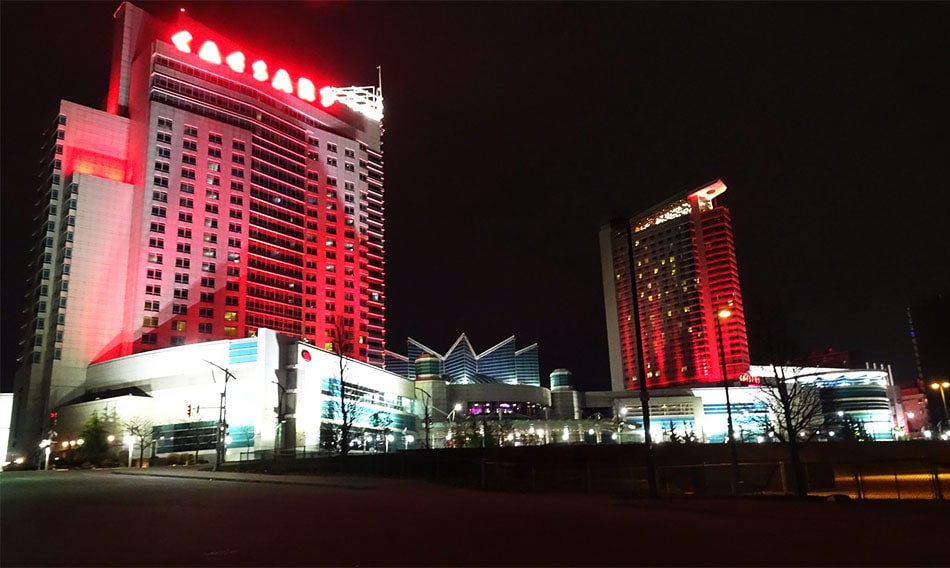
[181,41]
[209,52]
[282,81]
[306,90]
[260,70]
[236,61]
[327,96]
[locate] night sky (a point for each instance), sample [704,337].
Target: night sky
[514,130]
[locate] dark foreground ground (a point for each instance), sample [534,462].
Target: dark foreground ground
[192,518]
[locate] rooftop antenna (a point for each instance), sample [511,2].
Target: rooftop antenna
[379,90]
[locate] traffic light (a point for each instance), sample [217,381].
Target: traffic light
[52,417]
[189,410]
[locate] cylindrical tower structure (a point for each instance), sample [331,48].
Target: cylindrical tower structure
[560,379]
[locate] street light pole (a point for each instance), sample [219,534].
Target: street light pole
[624,225]
[733,451]
[942,386]
[222,416]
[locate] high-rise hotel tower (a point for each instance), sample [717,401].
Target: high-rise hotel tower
[679,260]
[218,193]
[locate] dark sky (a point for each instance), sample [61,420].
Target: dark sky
[514,130]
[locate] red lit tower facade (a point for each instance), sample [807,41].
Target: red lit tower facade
[679,259]
[218,193]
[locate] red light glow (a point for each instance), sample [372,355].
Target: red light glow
[305,355]
[182,41]
[98,165]
[209,52]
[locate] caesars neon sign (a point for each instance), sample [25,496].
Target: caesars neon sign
[237,61]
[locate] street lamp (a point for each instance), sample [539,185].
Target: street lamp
[942,386]
[408,440]
[733,451]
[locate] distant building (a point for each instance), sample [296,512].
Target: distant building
[503,363]
[913,404]
[929,323]
[684,272]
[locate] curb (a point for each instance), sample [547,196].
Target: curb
[246,480]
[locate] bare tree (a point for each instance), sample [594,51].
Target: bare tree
[346,399]
[141,430]
[794,416]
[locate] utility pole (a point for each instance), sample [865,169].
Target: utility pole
[222,416]
[624,225]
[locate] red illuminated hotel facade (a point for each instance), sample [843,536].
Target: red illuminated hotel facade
[218,193]
[685,273]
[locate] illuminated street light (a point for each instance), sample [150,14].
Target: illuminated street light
[408,440]
[733,451]
[110,438]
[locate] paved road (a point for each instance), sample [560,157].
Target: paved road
[191,518]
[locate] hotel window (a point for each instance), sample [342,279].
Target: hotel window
[162,167]
[161,137]
[206,312]
[189,145]
[191,131]
[184,233]
[150,321]
[187,187]
[182,263]
[331,147]
[160,181]
[214,166]
[154,274]
[234,257]
[183,248]
[186,202]
[153,290]
[177,340]
[331,161]
[210,252]
[161,152]
[181,278]
[189,159]
[157,227]
[237,145]
[214,139]
[181,294]
[230,300]
[152,305]
[212,194]
[149,338]
[185,217]
[237,158]
[155,257]
[234,227]
[349,167]
[180,309]
[188,173]
[211,223]
[207,267]
[179,325]
[156,242]
[213,180]
[349,153]
[237,172]
[211,208]
[237,186]
[164,123]
[230,331]
[204,328]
